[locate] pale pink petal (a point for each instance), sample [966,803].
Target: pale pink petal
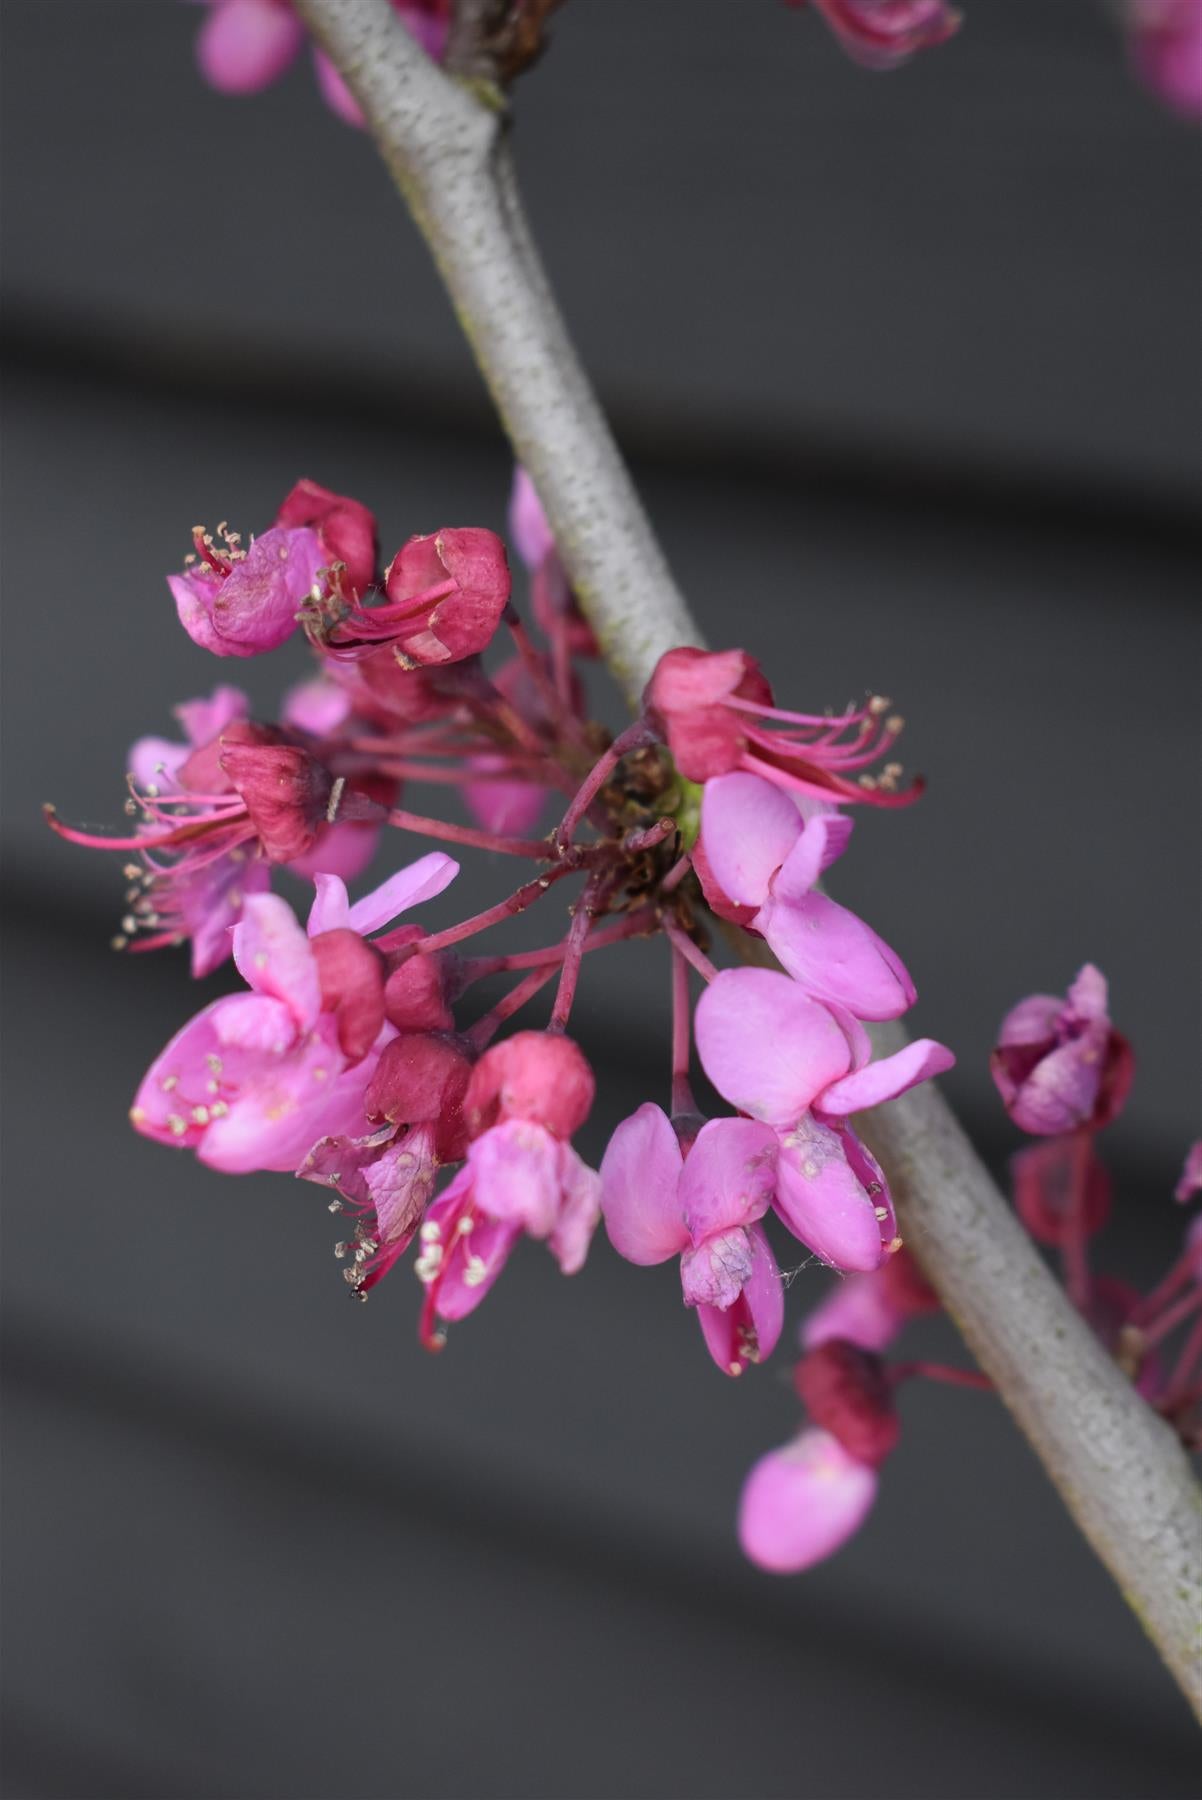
[640,1177]
[204,720]
[282,1111]
[152,762]
[802,868]
[1061,1091]
[823,1202]
[766,1045]
[194,1070]
[473,1269]
[887,1078]
[245,45]
[257,1023]
[858,1308]
[728,1176]
[508,808]
[194,595]
[334,91]
[528,525]
[255,606]
[579,1212]
[273,956]
[715,1272]
[835,956]
[318,706]
[344,849]
[749,827]
[801,1503]
[211,904]
[837,826]
[1032,1021]
[331,908]
[516,1175]
[419,881]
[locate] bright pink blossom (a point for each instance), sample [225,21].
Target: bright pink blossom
[445,596]
[883,34]
[245,45]
[762,855]
[1060,1064]
[801,1503]
[238,602]
[705,1208]
[1165,40]
[715,710]
[780,1056]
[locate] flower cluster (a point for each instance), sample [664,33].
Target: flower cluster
[1063,1072]
[355,1058]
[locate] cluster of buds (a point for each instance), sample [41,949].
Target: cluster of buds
[1063,1072]
[355,1058]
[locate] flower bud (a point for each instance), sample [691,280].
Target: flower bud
[539,1076]
[846,1390]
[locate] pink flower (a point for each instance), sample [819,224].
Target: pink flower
[1165,42]
[780,1056]
[882,34]
[245,45]
[870,1310]
[847,1391]
[255,1080]
[539,1077]
[445,596]
[715,710]
[761,855]
[1059,1064]
[346,528]
[238,602]
[704,1207]
[801,1503]
[1191,1174]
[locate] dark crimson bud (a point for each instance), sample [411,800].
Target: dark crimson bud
[346,528]
[421,1078]
[352,988]
[846,1390]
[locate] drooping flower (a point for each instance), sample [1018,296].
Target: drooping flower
[238,602]
[784,1058]
[525,1098]
[445,594]
[871,1309]
[759,853]
[1059,1064]
[715,710]
[802,1502]
[704,1207]
[1165,45]
[883,34]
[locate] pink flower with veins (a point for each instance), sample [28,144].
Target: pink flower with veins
[246,45]
[238,602]
[255,1080]
[803,1068]
[525,1098]
[715,710]
[883,34]
[802,1502]
[758,852]
[705,1207]
[1060,1064]
[1165,44]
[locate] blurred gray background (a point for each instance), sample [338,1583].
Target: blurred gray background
[908,368]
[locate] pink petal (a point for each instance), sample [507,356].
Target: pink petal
[836,957]
[749,827]
[887,1078]
[509,808]
[728,1177]
[419,881]
[801,1503]
[173,1102]
[212,903]
[194,595]
[1032,1021]
[318,706]
[255,606]
[859,1309]
[345,849]
[1061,1091]
[245,45]
[516,1175]
[1190,1182]
[204,720]
[802,868]
[528,525]
[715,1272]
[766,1045]
[748,1330]
[285,1107]
[273,956]
[256,1023]
[579,1212]
[823,1202]
[334,91]
[640,1177]
[152,761]
[331,908]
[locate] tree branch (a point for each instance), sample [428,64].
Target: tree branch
[1119,1469]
